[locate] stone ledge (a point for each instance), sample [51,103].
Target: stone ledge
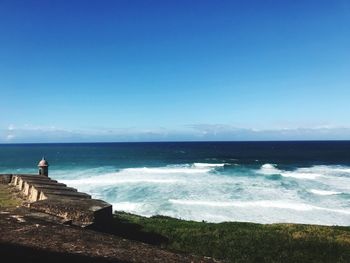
[48,193]
[56,199]
[18,180]
[35,190]
[82,212]
[28,186]
[56,186]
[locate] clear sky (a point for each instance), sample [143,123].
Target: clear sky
[174,70]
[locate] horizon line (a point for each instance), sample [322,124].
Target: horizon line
[189,141]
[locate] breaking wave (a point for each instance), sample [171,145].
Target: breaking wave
[324,192]
[206,165]
[258,204]
[157,175]
[174,169]
[218,191]
[300,173]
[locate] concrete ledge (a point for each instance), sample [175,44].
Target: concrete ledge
[23,184]
[35,176]
[27,186]
[82,212]
[57,193]
[17,180]
[59,186]
[36,189]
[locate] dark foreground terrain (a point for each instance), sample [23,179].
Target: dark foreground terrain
[34,237]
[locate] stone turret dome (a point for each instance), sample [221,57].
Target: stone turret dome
[43,162]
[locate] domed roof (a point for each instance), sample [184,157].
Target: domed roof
[43,162]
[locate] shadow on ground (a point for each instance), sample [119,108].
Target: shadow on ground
[17,253]
[122,228]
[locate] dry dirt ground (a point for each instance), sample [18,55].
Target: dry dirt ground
[26,236]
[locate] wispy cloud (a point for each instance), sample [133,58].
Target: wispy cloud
[228,132]
[31,133]
[195,132]
[11,127]
[10,137]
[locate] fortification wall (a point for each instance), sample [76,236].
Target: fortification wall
[51,197]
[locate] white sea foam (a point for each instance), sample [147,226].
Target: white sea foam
[301,173]
[168,170]
[193,191]
[127,206]
[247,204]
[156,175]
[206,165]
[258,204]
[115,179]
[328,170]
[269,169]
[324,192]
[319,171]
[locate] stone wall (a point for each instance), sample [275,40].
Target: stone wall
[57,199]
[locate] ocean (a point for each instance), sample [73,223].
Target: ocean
[262,182]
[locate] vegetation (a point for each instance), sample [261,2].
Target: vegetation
[230,241]
[7,198]
[240,242]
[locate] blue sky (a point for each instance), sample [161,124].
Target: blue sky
[174,70]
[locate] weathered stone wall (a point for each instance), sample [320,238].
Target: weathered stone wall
[54,198]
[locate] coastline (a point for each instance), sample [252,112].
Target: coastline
[144,239]
[262,182]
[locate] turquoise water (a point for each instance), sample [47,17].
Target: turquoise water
[264,182]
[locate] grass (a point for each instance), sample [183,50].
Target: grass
[7,198]
[230,241]
[241,242]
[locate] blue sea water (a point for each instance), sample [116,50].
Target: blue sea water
[263,182]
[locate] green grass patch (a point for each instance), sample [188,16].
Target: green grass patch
[7,198]
[242,242]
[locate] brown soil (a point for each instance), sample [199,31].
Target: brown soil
[28,236]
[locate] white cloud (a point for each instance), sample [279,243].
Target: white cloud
[195,132]
[43,128]
[229,132]
[10,137]
[11,127]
